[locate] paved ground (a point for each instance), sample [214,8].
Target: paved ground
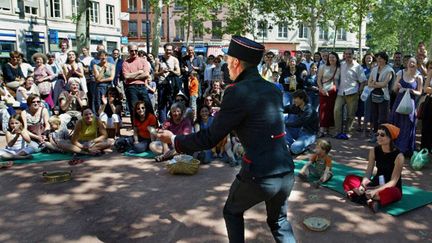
[121,199]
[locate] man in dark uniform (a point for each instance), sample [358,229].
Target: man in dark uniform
[252,107]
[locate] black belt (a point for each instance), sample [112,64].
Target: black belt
[139,85]
[242,175]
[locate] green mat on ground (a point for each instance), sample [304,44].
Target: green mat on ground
[45,157]
[412,198]
[147,155]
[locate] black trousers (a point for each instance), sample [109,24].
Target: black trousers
[247,191]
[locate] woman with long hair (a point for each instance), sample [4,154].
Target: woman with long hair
[43,76]
[143,119]
[328,76]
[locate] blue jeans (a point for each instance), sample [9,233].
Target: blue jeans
[135,93]
[297,138]
[92,95]
[247,191]
[313,100]
[101,89]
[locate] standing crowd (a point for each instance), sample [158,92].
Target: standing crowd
[182,93]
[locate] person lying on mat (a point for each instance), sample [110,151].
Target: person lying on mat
[88,137]
[319,165]
[386,186]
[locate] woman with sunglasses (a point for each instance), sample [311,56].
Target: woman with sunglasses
[143,119]
[35,119]
[385,187]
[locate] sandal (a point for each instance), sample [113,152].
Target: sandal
[373,205]
[159,158]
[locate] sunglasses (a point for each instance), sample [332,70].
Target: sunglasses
[133,50]
[380,134]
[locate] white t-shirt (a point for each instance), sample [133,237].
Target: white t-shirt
[351,76]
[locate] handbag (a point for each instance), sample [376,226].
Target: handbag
[405,107]
[44,88]
[419,159]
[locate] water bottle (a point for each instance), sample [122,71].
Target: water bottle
[365,94]
[381,180]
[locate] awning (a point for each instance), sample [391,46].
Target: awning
[216,50]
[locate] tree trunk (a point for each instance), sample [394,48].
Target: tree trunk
[188,22]
[83,25]
[430,46]
[157,23]
[334,38]
[313,30]
[360,50]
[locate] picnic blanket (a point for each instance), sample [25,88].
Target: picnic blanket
[45,157]
[147,155]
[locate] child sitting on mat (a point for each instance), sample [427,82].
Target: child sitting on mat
[319,165]
[56,133]
[17,139]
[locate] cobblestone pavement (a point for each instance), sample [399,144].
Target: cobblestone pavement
[113,198]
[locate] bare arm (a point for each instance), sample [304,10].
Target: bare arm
[370,167]
[396,83]
[102,131]
[75,135]
[419,89]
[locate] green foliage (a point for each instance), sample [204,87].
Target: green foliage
[398,25]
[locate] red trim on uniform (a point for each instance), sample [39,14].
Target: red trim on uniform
[230,85]
[248,161]
[278,136]
[246,45]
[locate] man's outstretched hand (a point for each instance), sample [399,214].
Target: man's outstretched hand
[164,135]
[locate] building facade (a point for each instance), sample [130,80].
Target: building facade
[280,37]
[31,26]
[172,30]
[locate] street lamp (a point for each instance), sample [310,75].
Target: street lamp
[147,27]
[264,28]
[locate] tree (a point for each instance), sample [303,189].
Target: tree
[399,25]
[82,25]
[156,26]
[196,12]
[361,9]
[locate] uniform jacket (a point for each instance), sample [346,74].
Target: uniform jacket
[252,107]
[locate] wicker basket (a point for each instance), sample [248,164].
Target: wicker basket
[189,166]
[57,176]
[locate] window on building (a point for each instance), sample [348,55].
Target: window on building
[132,5]
[31,7]
[55,8]
[6,47]
[94,12]
[178,6]
[133,29]
[198,31]
[143,5]
[303,31]
[5,5]
[262,29]
[216,30]
[162,30]
[110,14]
[323,33]
[180,30]
[96,42]
[144,28]
[341,35]
[283,30]
[111,45]
[74,7]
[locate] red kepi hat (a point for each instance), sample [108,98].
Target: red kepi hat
[245,49]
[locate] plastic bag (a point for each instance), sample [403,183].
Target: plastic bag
[419,159]
[405,107]
[365,94]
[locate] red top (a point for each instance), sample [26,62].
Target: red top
[134,65]
[141,126]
